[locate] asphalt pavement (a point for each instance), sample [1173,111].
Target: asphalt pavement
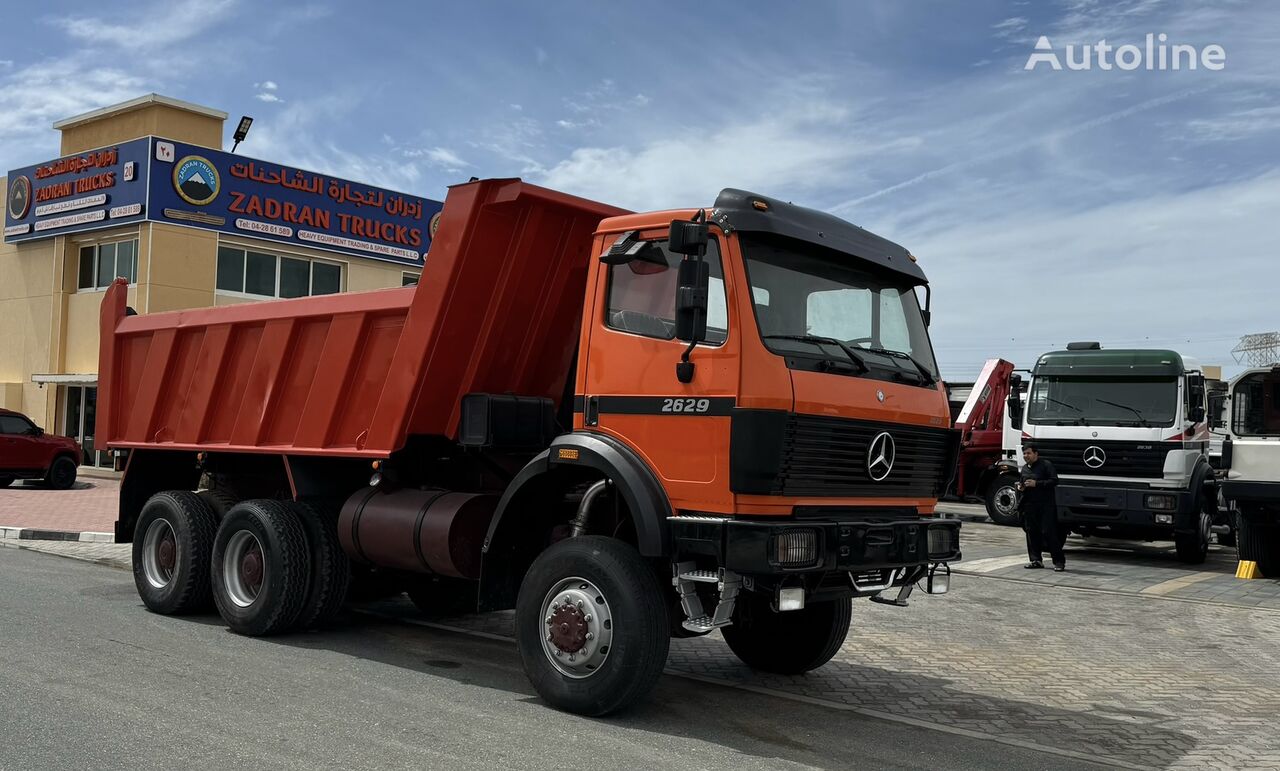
[92,680]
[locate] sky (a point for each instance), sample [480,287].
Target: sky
[1137,208]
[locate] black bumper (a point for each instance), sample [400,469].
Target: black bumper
[1240,490]
[1123,507]
[749,547]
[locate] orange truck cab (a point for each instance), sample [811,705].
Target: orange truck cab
[626,426]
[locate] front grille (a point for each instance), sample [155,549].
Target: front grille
[828,456]
[1139,460]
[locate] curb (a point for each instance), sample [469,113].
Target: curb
[36,534]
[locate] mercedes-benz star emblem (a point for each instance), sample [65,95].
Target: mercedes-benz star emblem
[1094,456]
[880,455]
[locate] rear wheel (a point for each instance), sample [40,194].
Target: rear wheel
[62,474]
[591,625]
[787,643]
[330,568]
[5,481]
[261,568]
[1002,501]
[1193,547]
[172,544]
[1259,542]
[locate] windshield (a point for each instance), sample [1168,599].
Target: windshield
[816,303]
[1097,401]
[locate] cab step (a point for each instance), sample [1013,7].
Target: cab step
[685,579]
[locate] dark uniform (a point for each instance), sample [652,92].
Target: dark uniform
[1040,511]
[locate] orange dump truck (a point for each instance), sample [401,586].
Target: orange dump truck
[626,426]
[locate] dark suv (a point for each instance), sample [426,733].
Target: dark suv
[27,452]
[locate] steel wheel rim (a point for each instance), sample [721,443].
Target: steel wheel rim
[575,612]
[1006,500]
[160,553]
[244,568]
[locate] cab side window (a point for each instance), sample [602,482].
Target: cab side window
[12,424]
[642,294]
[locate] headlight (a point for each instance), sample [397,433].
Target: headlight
[942,541]
[1161,502]
[795,548]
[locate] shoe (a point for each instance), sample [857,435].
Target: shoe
[1037,565]
[1060,568]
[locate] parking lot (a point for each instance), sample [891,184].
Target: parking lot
[1129,658]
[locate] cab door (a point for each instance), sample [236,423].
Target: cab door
[629,385]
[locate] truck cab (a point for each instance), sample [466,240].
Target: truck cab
[1251,464]
[1127,432]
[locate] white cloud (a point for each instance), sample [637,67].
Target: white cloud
[6,62]
[267,85]
[439,156]
[1010,26]
[792,147]
[267,96]
[154,28]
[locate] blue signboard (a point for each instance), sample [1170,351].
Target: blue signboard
[97,189]
[166,181]
[206,188]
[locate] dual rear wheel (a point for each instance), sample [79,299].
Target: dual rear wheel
[268,566]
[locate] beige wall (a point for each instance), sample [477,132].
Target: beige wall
[153,119]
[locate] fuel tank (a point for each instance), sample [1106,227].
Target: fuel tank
[420,531]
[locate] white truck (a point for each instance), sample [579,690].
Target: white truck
[1128,433]
[1251,461]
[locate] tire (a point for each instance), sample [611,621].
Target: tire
[1260,543]
[437,596]
[1192,548]
[1228,538]
[330,568]
[172,549]
[220,501]
[622,660]
[61,474]
[5,481]
[261,568]
[788,643]
[1002,501]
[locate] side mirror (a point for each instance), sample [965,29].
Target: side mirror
[1197,414]
[691,300]
[688,237]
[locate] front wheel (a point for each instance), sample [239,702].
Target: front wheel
[787,643]
[1193,547]
[591,625]
[1002,501]
[62,474]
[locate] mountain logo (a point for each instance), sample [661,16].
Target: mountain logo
[196,180]
[19,197]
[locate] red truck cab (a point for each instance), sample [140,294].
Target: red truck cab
[27,452]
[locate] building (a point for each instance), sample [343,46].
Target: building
[143,190]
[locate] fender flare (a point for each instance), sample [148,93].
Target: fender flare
[1189,521]
[634,480]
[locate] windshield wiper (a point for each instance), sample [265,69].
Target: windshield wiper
[1134,410]
[819,340]
[925,375]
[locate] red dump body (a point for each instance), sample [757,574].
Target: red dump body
[497,309]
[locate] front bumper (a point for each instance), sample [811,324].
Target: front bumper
[782,547]
[1242,490]
[1123,507]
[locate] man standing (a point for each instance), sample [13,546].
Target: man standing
[1038,485]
